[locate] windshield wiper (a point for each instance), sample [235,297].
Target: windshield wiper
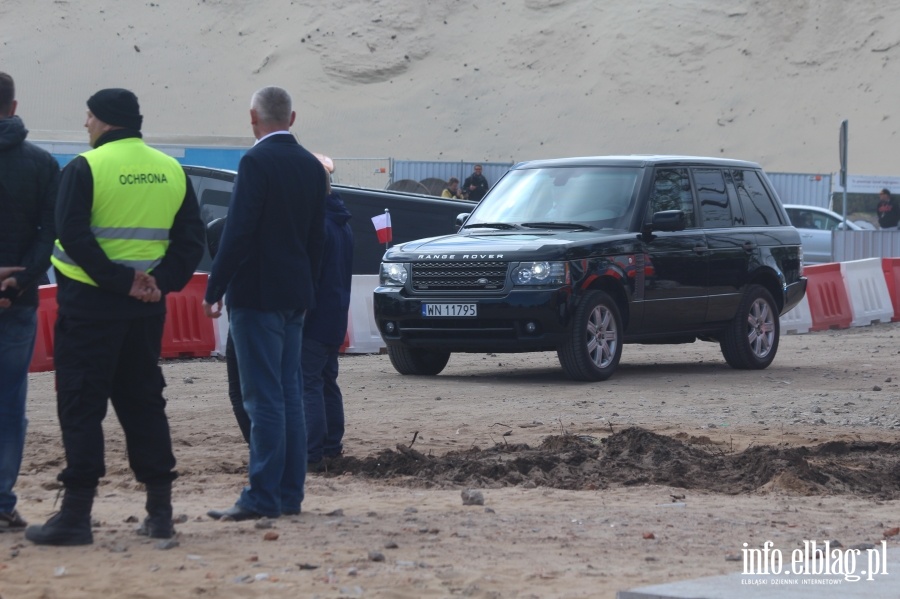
[491,226]
[553,225]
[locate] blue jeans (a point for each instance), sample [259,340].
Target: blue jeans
[322,400]
[268,345]
[18,328]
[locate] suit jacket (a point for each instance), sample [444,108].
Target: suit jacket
[271,247]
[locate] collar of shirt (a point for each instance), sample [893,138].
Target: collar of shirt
[271,134]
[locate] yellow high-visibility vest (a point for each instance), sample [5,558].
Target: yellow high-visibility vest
[137,192]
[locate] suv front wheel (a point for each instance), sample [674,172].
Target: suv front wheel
[594,346]
[419,361]
[751,340]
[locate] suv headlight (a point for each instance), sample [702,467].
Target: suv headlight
[541,273]
[393,274]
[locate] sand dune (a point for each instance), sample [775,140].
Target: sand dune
[496,81]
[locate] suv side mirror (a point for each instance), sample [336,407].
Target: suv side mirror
[668,220]
[461,218]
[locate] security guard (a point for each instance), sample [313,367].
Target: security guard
[129,231]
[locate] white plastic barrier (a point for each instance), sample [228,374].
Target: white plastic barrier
[799,319]
[870,300]
[220,326]
[363,333]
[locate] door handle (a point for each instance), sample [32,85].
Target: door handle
[749,246]
[701,249]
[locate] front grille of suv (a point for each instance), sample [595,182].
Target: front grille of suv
[458,276]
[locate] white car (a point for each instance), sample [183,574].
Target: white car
[815,226]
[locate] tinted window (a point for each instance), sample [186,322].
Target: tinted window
[214,204]
[802,219]
[713,196]
[757,204]
[672,191]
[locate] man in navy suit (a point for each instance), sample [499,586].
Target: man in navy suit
[268,258]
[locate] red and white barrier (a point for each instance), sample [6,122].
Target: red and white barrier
[827,295]
[840,295]
[186,333]
[891,269]
[42,359]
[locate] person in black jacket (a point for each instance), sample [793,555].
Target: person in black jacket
[129,232]
[270,253]
[475,185]
[888,210]
[323,334]
[28,179]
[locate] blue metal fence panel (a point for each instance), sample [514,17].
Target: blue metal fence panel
[211,157]
[420,170]
[856,245]
[227,158]
[803,188]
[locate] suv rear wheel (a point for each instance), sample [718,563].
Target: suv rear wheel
[750,342]
[418,361]
[594,346]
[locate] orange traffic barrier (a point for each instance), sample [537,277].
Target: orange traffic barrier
[188,332]
[891,268]
[829,303]
[42,359]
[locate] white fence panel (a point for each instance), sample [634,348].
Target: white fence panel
[856,245]
[799,319]
[364,335]
[870,300]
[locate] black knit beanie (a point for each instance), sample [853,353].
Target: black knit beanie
[117,107]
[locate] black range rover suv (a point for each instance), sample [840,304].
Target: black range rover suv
[581,255]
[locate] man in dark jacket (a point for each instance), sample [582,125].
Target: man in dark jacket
[888,210]
[129,232]
[270,252]
[475,185]
[323,335]
[28,180]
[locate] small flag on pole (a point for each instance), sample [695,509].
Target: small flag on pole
[382,224]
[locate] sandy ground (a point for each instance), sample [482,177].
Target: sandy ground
[396,536]
[763,80]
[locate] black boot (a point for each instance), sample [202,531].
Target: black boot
[71,525]
[158,523]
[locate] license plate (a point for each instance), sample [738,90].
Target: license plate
[451,310]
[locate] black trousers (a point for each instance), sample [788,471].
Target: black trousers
[234,389]
[101,360]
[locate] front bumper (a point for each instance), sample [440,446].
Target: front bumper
[521,320]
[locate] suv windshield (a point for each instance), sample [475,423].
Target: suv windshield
[588,196]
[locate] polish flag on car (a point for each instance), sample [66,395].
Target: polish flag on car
[382,224]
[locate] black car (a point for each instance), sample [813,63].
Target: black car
[581,255]
[412,214]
